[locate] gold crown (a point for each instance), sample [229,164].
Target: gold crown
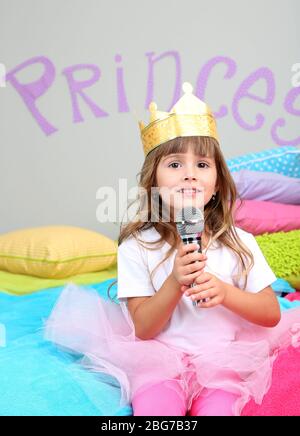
[189,117]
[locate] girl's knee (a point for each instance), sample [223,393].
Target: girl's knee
[163,399]
[214,402]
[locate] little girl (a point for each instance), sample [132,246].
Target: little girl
[172,357]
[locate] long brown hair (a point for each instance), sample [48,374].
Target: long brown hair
[218,213]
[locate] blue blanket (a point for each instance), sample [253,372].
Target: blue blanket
[36,378]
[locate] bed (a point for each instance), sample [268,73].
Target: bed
[38,379]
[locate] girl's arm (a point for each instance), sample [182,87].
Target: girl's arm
[261,308]
[151,314]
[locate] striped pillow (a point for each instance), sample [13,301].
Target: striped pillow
[56,251]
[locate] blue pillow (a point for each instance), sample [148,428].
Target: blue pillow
[281,286]
[283,160]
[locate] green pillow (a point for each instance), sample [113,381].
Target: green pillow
[282,252]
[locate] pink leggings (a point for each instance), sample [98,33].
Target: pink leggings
[162,400]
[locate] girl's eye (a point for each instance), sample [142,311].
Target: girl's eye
[177,163]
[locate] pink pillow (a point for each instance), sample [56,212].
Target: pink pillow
[293,297]
[258,217]
[283,397]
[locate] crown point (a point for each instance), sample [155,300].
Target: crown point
[152,107]
[187,88]
[141,125]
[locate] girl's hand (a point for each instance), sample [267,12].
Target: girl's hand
[207,286]
[184,270]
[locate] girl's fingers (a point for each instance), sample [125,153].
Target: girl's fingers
[191,278]
[193,257]
[194,276]
[195,267]
[210,303]
[202,286]
[196,290]
[203,278]
[186,248]
[203,295]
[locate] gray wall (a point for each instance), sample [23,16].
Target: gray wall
[53,178]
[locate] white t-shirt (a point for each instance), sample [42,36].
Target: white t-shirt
[190,326]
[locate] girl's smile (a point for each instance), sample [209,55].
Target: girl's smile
[189,191]
[188,178]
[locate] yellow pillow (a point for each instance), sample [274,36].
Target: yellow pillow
[56,251]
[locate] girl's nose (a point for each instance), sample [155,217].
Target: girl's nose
[190,172]
[189,177]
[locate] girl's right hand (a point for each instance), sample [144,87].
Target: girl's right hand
[184,270]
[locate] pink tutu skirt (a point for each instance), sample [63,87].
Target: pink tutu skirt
[102,332]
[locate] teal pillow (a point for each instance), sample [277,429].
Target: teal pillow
[282,160]
[281,286]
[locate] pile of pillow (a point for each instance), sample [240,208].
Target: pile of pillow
[268,184]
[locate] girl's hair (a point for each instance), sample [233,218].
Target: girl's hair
[218,213]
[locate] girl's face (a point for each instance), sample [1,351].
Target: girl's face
[178,173]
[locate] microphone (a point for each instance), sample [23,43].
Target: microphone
[190,225]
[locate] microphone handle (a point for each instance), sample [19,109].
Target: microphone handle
[194,239]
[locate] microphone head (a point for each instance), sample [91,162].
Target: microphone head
[189,220]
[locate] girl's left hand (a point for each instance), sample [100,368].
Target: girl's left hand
[207,286]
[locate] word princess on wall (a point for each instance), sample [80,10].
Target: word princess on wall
[32,91]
